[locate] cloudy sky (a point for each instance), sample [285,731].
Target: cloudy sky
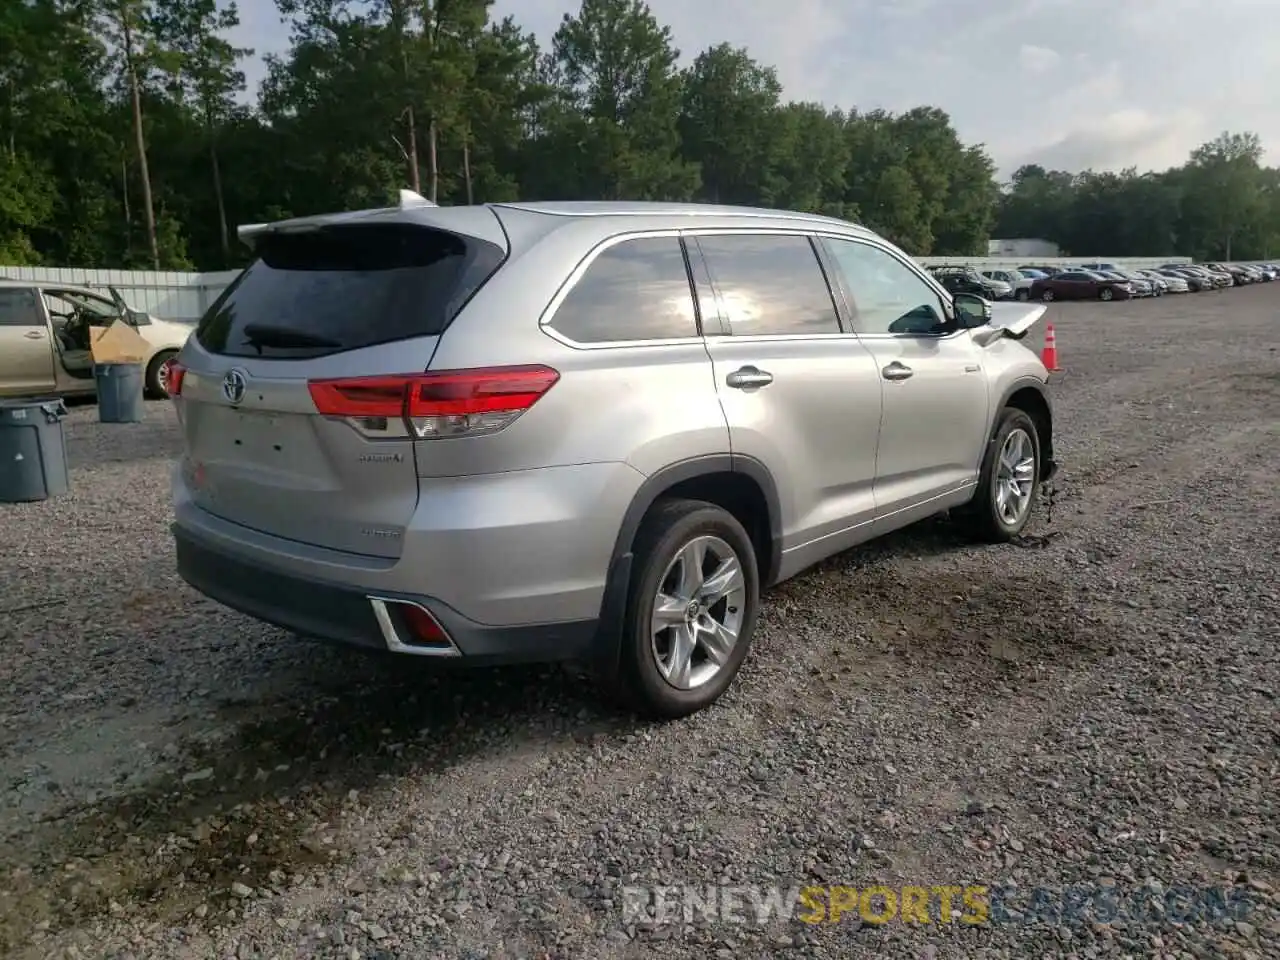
[1066,83]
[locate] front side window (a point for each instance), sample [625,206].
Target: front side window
[885,296]
[634,290]
[770,284]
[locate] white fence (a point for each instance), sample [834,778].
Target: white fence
[171,296]
[186,296]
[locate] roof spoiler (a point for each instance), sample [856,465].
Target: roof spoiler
[410,199]
[249,233]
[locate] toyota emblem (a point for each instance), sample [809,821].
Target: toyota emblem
[233,386]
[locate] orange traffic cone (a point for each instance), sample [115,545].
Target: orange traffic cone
[1049,355]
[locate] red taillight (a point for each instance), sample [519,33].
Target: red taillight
[452,403]
[173,374]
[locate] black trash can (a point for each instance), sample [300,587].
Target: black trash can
[119,392]
[33,450]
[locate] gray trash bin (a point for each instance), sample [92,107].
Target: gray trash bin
[33,450]
[119,392]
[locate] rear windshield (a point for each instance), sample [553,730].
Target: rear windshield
[346,287]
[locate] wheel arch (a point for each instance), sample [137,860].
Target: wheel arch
[742,485]
[1031,396]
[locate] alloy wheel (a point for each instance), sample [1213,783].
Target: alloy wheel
[1015,477]
[698,612]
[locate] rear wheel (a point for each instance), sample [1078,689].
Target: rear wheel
[1022,294]
[691,610]
[157,374]
[1046,295]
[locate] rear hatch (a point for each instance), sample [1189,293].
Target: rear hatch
[272,449]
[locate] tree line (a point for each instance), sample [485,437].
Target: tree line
[127,138]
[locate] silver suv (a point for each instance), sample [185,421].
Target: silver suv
[585,432]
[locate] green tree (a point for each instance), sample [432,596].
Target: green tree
[1223,192]
[809,158]
[615,66]
[729,122]
[26,201]
[205,68]
[125,24]
[125,141]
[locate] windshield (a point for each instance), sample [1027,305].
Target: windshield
[92,304]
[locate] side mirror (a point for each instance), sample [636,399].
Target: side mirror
[972,310]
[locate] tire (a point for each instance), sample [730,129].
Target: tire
[154,381]
[1046,296]
[1022,295]
[644,679]
[984,516]
[1106,294]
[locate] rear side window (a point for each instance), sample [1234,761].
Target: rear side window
[769,284]
[634,290]
[346,287]
[18,308]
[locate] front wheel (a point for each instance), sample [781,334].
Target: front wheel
[1106,293]
[691,610]
[157,378]
[1002,504]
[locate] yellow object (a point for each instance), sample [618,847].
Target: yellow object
[118,343]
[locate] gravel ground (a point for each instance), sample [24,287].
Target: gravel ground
[1095,709]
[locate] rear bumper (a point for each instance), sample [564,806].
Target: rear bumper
[344,614]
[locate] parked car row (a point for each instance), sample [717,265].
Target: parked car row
[1100,280]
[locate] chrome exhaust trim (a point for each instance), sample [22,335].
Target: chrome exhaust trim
[391,636]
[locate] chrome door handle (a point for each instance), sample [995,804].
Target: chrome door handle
[34,334]
[745,378]
[897,371]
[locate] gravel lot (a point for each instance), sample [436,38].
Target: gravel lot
[1096,707]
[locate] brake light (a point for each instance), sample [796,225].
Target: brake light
[173,374]
[451,403]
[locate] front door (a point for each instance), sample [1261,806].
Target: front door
[26,351]
[800,395]
[936,409]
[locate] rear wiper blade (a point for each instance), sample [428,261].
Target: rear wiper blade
[265,335]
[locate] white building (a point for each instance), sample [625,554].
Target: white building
[1022,248]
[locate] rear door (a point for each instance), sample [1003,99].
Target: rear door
[26,351]
[355,300]
[801,396]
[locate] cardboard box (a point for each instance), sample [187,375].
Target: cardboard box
[118,343]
